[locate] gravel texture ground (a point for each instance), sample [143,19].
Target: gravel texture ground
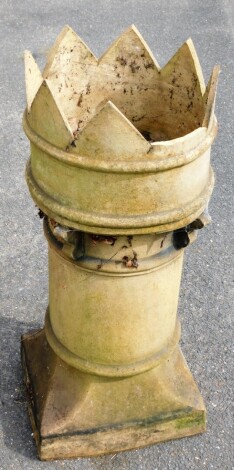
[206,298]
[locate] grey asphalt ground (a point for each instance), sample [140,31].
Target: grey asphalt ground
[206,298]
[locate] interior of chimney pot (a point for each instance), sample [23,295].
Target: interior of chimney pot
[163,131]
[156,115]
[163,114]
[158,121]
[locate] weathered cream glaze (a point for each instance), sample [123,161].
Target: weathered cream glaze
[119,148]
[123,197]
[81,300]
[107,362]
[75,414]
[91,166]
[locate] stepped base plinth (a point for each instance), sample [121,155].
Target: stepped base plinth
[75,414]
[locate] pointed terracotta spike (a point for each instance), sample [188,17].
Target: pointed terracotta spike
[67,48]
[33,78]
[111,135]
[69,69]
[182,90]
[53,51]
[184,69]
[210,95]
[131,52]
[47,120]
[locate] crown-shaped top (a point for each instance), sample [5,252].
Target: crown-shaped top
[118,106]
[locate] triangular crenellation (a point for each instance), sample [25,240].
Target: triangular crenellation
[161,104]
[131,51]
[183,87]
[109,133]
[48,120]
[69,69]
[210,95]
[184,69]
[67,46]
[33,78]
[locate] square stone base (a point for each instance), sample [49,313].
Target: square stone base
[74,414]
